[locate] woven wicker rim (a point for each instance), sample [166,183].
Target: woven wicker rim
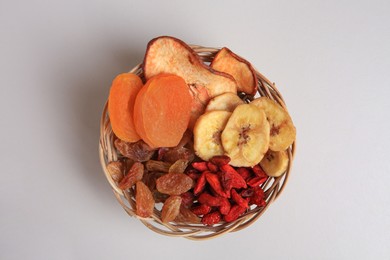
[273,187]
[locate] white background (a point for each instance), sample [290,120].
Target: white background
[329,59]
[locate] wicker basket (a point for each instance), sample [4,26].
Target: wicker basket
[273,187]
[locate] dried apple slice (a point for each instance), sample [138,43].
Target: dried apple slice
[170,55]
[241,70]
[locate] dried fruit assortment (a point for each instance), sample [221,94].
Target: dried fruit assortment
[188,142]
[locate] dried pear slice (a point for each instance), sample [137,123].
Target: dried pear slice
[241,70]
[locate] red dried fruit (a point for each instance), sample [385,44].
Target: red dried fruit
[258,171]
[187,199]
[247,193]
[244,172]
[258,197]
[171,209]
[138,151]
[200,184]
[231,179]
[256,181]
[225,206]
[200,166]
[144,200]
[209,200]
[238,199]
[135,174]
[215,184]
[186,216]
[212,167]
[220,160]
[211,218]
[193,174]
[161,153]
[174,183]
[201,209]
[234,213]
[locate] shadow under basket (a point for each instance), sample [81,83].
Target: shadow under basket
[273,187]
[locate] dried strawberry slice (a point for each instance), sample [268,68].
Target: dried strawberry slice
[231,179]
[238,199]
[211,218]
[215,184]
[220,160]
[201,209]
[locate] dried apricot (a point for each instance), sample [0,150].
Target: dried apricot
[162,110]
[123,92]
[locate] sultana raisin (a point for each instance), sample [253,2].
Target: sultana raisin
[171,208]
[144,200]
[174,183]
[138,151]
[135,174]
[171,155]
[115,169]
[157,166]
[186,216]
[179,166]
